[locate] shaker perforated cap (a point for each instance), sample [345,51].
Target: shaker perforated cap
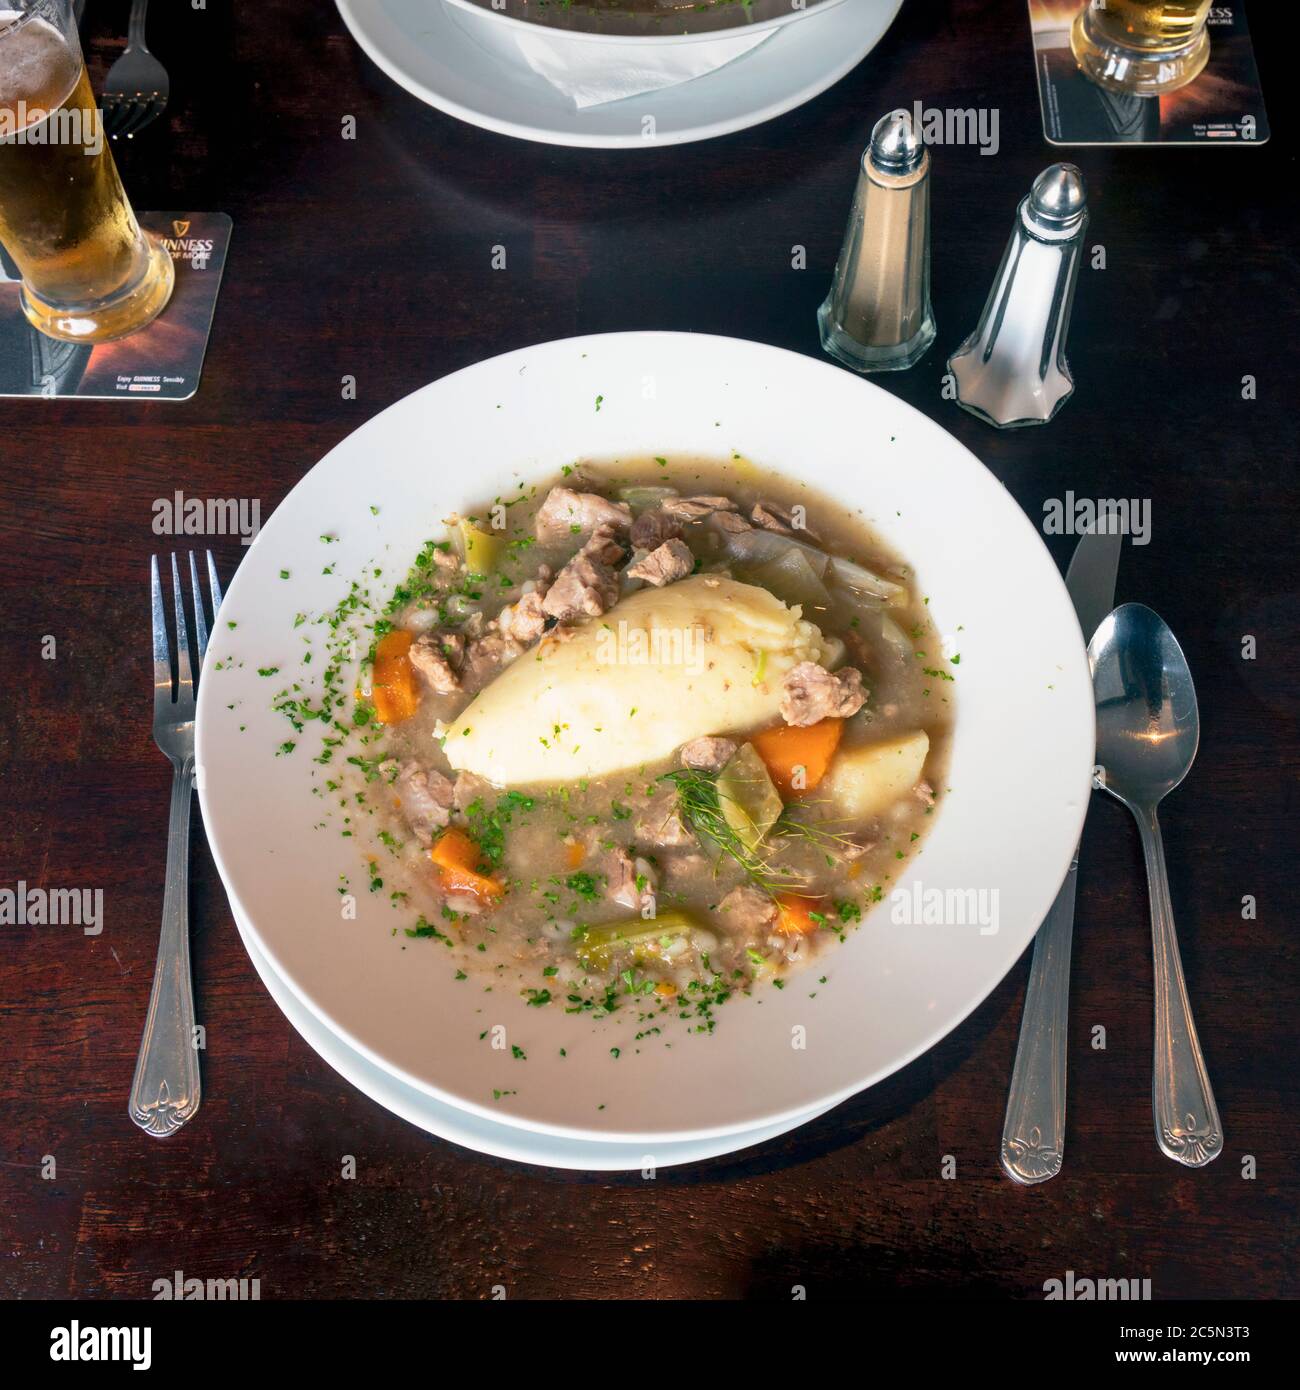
[1059,197]
[895,146]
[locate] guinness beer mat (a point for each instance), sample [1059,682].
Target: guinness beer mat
[1222,105]
[162,361]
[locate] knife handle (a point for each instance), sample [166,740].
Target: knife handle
[1033,1134]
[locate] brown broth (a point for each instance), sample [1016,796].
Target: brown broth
[557,848]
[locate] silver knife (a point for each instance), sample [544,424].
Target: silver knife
[1033,1133]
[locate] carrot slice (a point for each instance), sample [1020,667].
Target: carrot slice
[457,858]
[795,914]
[487,890]
[787,749]
[393,685]
[454,849]
[574,854]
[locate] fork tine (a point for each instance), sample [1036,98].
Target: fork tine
[118,114]
[150,111]
[184,679]
[128,109]
[200,625]
[162,665]
[123,115]
[215,585]
[112,114]
[139,116]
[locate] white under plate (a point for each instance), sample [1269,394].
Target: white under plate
[1019,780]
[464,63]
[483,1136]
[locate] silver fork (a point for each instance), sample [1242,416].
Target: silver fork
[166,1091]
[137,85]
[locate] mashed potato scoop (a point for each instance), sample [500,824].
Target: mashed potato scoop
[703,656]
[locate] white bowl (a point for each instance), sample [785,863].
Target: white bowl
[467,64]
[1020,771]
[667,30]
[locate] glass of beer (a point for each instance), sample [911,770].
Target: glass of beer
[89,273]
[1142,47]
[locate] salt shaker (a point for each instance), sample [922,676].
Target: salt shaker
[877,316]
[1012,370]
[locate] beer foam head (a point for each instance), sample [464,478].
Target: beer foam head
[37,65]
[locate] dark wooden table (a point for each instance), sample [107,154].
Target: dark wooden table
[372,259]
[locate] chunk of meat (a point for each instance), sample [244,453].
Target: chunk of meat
[651,529]
[695,508]
[604,547]
[659,825]
[729,523]
[588,585]
[631,882]
[668,562]
[924,793]
[446,560]
[429,659]
[566,513]
[425,799]
[525,620]
[487,655]
[708,754]
[772,517]
[749,910]
[811,693]
[453,647]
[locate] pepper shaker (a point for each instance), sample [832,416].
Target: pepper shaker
[877,316]
[1012,370]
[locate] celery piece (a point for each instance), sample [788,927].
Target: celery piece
[747,798]
[598,945]
[482,549]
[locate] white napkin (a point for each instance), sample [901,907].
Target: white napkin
[590,74]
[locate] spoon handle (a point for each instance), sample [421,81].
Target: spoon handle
[1187,1120]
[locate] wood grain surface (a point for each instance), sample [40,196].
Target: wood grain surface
[372,258]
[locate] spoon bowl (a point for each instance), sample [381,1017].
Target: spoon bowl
[1148,727]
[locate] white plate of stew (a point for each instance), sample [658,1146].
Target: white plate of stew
[645,737]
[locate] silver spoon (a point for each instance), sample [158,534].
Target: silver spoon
[1147,732]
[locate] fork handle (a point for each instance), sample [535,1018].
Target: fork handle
[1033,1133]
[135,26]
[1188,1128]
[166,1092]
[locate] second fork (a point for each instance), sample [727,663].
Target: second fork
[166,1089]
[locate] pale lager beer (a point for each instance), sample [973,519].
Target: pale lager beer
[89,273]
[1144,47]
